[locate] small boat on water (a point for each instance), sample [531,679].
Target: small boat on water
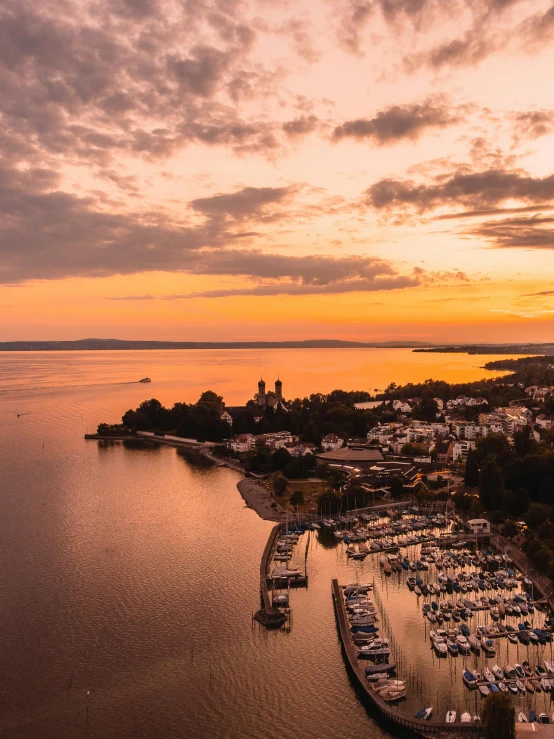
[483,689]
[284,573]
[465,718]
[280,600]
[488,675]
[450,717]
[488,646]
[498,672]
[393,695]
[532,717]
[424,713]
[469,679]
[145,379]
[521,718]
[377,669]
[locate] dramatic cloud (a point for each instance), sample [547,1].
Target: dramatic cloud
[531,233]
[471,190]
[400,122]
[50,234]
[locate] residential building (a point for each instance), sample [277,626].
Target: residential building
[331,442]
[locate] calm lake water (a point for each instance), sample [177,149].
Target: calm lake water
[133,576]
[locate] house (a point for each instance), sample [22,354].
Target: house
[479,526]
[227,417]
[402,406]
[242,443]
[301,450]
[543,422]
[331,442]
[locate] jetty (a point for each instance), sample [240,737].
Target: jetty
[385,712]
[268,615]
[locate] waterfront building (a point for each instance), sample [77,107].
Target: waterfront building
[479,526]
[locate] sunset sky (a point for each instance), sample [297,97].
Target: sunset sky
[230,170]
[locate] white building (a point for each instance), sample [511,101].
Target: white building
[461,450]
[479,526]
[242,443]
[331,442]
[227,418]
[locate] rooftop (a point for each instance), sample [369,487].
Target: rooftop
[352,455]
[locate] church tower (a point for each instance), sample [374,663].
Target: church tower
[278,390]
[261,394]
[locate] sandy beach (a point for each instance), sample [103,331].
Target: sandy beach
[259,499]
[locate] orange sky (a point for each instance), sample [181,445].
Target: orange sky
[245,170]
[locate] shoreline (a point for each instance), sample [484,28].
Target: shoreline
[259,500]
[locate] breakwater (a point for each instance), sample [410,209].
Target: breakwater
[388,714]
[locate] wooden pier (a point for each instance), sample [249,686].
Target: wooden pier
[268,615]
[384,711]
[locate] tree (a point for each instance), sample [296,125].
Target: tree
[510,529]
[281,458]
[428,409]
[471,477]
[280,483]
[414,450]
[328,503]
[297,498]
[498,717]
[491,485]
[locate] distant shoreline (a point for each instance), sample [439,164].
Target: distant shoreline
[121,345]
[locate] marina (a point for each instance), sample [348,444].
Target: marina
[478,621]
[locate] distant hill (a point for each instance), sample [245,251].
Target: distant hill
[119,344]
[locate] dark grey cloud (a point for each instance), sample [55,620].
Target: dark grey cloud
[532,124]
[535,232]
[479,212]
[246,203]
[305,275]
[471,190]
[301,126]
[401,122]
[354,17]
[48,234]
[292,275]
[95,81]
[337,287]
[542,293]
[486,36]
[471,48]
